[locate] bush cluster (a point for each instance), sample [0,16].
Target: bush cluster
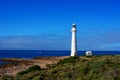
[76,68]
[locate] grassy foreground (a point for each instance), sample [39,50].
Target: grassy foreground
[74,68]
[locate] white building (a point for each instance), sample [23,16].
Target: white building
[73,41]
[88,53]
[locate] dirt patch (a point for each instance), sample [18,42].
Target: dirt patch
[16,65]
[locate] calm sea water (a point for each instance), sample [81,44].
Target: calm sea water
[35,53]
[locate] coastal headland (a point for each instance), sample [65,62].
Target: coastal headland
[105,67]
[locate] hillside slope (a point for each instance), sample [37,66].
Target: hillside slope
[75,68]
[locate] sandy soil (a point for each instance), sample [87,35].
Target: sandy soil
[17,65]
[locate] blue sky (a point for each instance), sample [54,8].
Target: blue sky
[46,24]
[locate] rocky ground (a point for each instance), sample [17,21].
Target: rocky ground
[16,65]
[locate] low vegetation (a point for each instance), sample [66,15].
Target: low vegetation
[74,68]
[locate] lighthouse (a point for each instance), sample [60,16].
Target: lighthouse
[73,41]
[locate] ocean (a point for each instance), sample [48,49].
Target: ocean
[27,54]
[35,53]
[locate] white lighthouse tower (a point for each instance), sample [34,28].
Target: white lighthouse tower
[74,41]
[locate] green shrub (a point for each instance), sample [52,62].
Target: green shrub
[7,78]
[30,69]
[69,60]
